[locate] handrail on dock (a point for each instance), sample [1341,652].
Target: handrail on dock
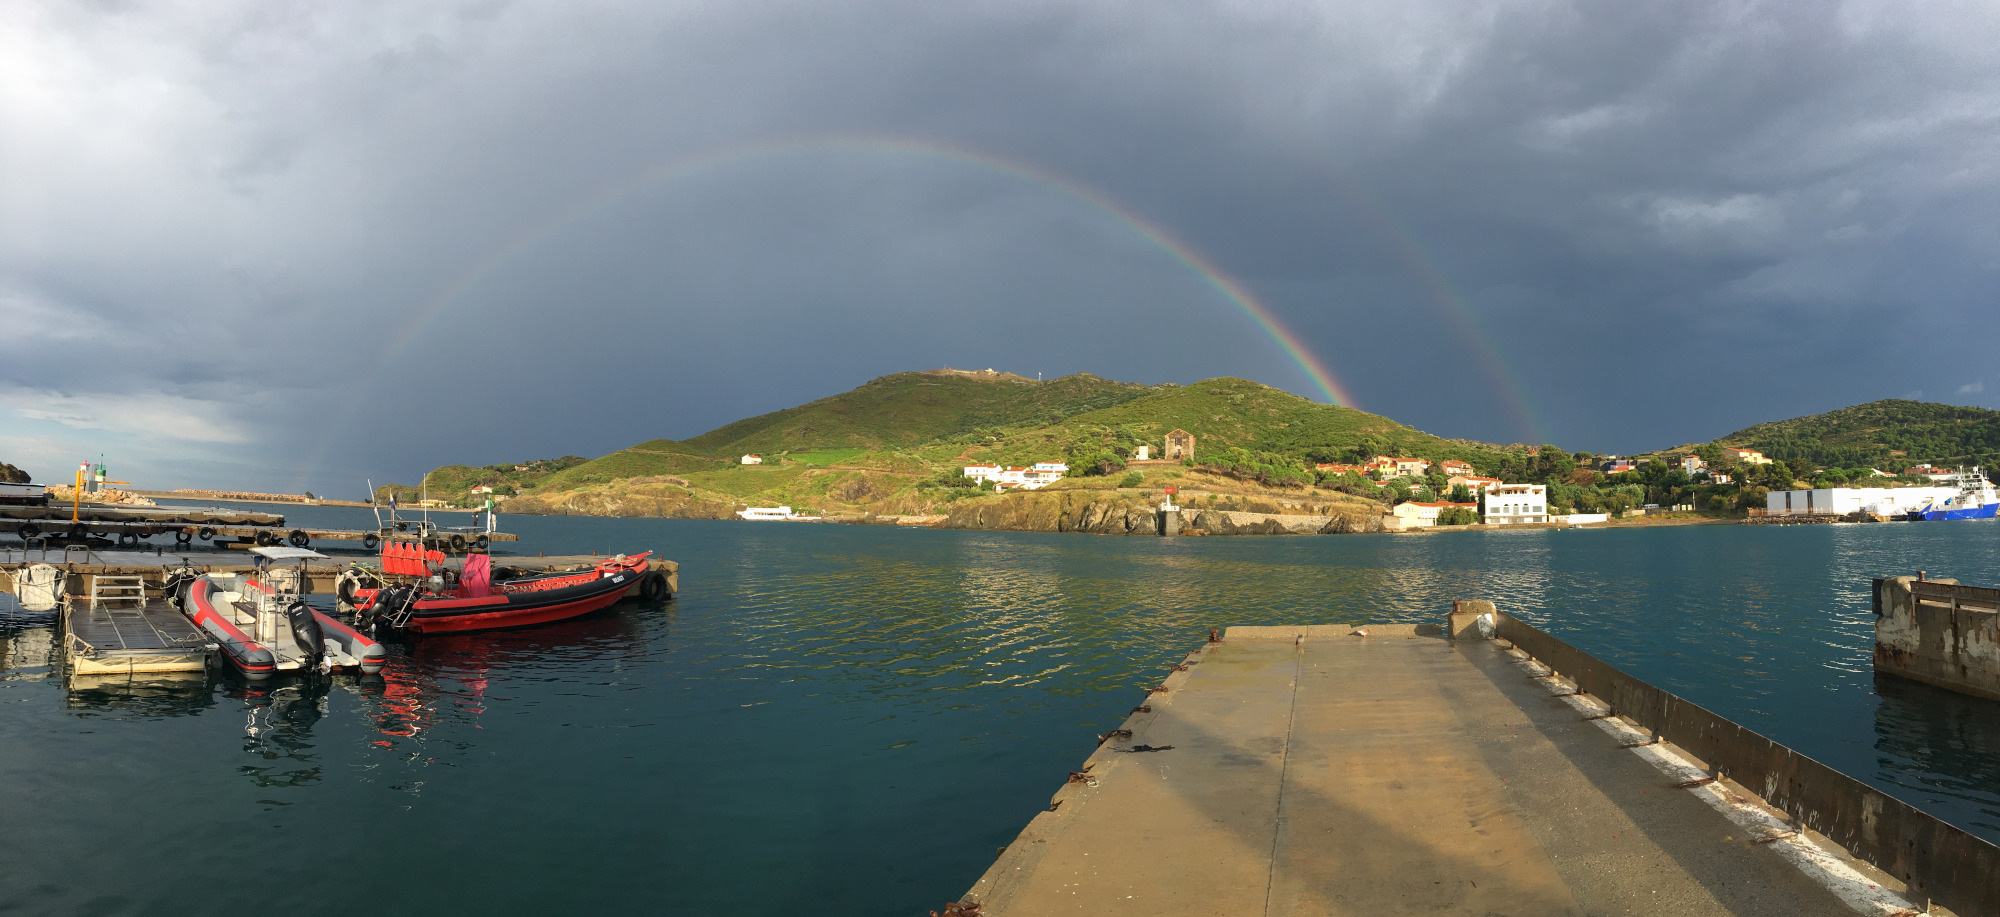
[1936,860]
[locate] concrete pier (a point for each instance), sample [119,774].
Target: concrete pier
[1313,771]
[1939,632]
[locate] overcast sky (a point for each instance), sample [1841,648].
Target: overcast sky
[293,246]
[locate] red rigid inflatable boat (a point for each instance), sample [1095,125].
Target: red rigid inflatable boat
[516,602]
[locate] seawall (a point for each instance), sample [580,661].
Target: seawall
[1940,633]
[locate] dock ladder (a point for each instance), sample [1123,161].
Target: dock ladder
[106,588]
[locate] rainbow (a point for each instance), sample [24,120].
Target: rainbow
[1231,290]
[1425,268]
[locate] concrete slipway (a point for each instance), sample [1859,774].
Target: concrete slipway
[1402,774]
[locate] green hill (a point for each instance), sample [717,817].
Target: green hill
[1881,434]
[895,411]
[896,444]
[907,409]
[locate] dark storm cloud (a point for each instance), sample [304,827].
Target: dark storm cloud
[1660,222]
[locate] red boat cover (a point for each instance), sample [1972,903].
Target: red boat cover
[477,578]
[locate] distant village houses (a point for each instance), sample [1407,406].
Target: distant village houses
[1454,466]
[1747,456]
[1692,463]
[753,460]
[1472,483]
[1022,477]
[1393,467]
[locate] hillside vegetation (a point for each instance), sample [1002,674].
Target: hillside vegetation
[897,444]
[1891,435]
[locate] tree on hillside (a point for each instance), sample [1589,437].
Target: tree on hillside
[12,475]
[1551,464]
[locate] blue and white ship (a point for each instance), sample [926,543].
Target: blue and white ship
[1976,499]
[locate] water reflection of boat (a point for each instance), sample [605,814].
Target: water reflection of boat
[278,727]
[444,679]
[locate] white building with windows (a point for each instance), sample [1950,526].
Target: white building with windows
[1516,503]
[752,460]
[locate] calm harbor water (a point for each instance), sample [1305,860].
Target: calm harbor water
[849,720]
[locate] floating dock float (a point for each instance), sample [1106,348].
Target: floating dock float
[132,524]
[111,639]
[1320,770]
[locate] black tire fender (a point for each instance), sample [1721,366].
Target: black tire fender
[299,539]
[458,544]
[370,541]
[481,543]
[29,530]
[205,534]
[266,540]
[79,531]
[653,587]
[183,536]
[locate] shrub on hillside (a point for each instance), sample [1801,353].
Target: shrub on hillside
[1458,515]
[1133,479]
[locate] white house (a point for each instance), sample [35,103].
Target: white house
[752,460]
[1692,463]
[1747,456]
[1140,455]
[983,472]
[1515,503]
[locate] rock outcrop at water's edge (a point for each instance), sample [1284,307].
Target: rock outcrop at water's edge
[1092,513]
[1060,511]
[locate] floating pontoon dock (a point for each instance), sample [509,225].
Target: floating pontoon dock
[118,639]
[131,525]
[1401,774]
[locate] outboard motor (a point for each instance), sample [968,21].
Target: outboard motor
[305,630]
